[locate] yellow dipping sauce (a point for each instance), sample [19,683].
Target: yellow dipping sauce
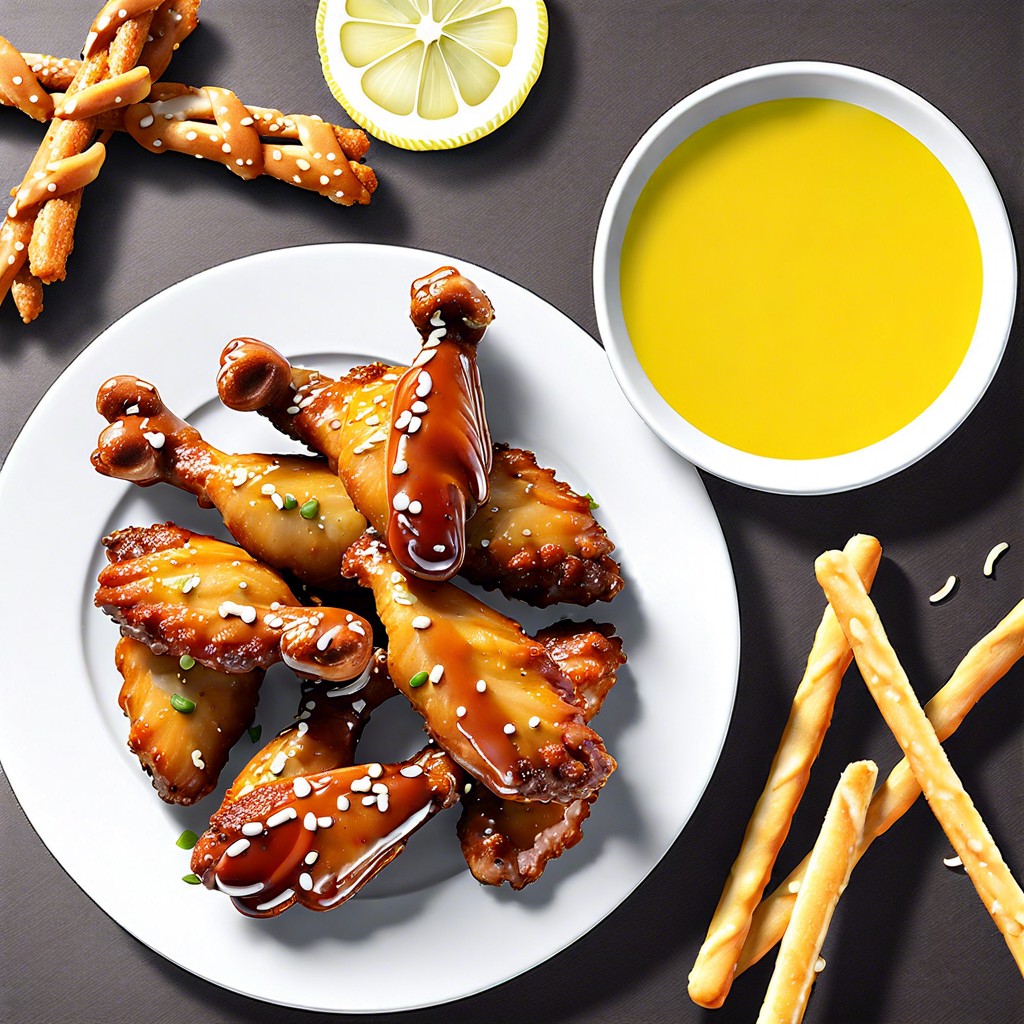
[801,278]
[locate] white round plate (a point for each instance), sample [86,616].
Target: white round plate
[548,388]
[995,315]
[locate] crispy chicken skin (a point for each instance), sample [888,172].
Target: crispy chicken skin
[511,841]
[317,839]
[264,500]
[488,693]
[325,732]
[564,556]
[185,593]
[184,753]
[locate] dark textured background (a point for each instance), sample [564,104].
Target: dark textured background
[911,941]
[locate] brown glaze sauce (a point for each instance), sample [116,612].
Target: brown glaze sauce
[439,448]
[323,836]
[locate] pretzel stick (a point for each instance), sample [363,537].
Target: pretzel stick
[63,139]
[827,875]
[53,235]
[942,788]
[830,657]
[983,666]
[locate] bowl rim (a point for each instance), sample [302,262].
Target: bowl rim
[793,79]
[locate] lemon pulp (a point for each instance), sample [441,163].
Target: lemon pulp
[431,74]
[801,278]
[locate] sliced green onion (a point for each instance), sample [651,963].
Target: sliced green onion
[290,501]
[419,679]
[255,732]
[310,510]
[192,879]
[186,661]
[187,839]
[182,704]
[593,504]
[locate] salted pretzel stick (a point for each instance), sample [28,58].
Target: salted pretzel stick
[53,235]
[827,875]
[63,141]
[830,657]
[942,788]
[982,667]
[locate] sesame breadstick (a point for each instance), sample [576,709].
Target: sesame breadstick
[827,875]
[715,967]
[892,692]
[984,665]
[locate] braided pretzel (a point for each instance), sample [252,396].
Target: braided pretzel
[213,124]
[178,117]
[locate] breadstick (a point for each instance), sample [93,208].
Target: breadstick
[942,788]
[983,666]
[827,875]
[715,967]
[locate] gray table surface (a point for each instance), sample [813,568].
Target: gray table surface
[911,941]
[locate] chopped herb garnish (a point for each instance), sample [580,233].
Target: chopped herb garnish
[310,510]
[593,504]
[186,661]
[290,501]
[192,879]
[182,704]
[419,679]
[187,839]
[255,732]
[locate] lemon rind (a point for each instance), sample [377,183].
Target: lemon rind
[421,145]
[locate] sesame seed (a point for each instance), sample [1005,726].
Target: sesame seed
[197,759]
[415,507]
[286,814]
[325,641]
[310,858]
[305,881]
[382,802]
[302,787]
[411,771]
[277,765]
[309,822]
[237,848]
[375,770]
[355,627]
[343,804]
[379,787]
[267,489]
[460,711]
[508,729]
[534,722]
[303,165]
[252,828]
[421,622]
[362,785]
[481,686]
[400,502]
[435,673]
[325,821]
[369,801]
[400,467]
[155,438]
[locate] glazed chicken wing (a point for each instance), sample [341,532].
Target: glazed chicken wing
[511,841]
[184,722]
[184,593]
[316,839]
[489,694]
[326,730]
[535,538]
[289,511]
[438,454]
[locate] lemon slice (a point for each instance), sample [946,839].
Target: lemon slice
[431,74]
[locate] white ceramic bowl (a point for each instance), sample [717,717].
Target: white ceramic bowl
[999,267]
